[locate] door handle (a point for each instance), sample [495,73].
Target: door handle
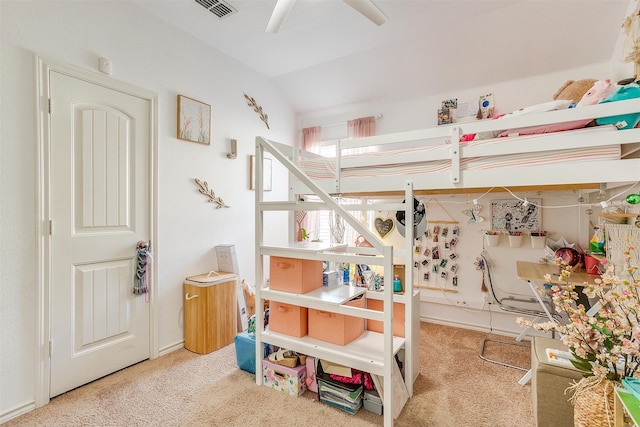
[187,297]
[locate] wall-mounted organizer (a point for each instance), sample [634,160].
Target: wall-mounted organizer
[435,258]
[515,240]
[492,238]
[533,239]
[619,238]
[539,240]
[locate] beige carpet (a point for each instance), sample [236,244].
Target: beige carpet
[455,388]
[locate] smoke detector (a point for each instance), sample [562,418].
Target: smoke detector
[219,8]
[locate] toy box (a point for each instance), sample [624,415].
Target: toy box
[294,275]
[246,352]
[336,328]
[283,378]
[288,319]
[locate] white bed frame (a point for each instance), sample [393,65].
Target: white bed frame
[596,171]
[375,352]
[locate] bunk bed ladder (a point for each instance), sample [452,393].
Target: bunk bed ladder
[388,265]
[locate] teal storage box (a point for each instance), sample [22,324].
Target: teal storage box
[246,352]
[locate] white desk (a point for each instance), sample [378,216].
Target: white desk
[534,273]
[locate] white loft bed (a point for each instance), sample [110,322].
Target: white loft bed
[436,159]
[431,160]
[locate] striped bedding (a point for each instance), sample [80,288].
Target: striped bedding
[324,168]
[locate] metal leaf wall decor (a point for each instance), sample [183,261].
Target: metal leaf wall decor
[204,189]
[251,102]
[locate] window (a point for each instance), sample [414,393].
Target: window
[320,223]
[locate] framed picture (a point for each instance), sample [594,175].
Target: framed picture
[266,174]
[516,215]
[194,120]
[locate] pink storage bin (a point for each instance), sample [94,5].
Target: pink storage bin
[336,328]
[288,319]
[297,276]
[398,318]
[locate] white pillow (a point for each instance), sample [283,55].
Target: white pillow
[559,104]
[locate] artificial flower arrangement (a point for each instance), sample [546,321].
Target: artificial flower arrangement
[605,345]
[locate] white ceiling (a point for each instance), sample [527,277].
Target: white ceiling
[327,55]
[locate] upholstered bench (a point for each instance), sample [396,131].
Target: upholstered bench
[551,406]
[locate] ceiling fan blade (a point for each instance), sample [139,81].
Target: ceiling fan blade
[369,10]
[279,14]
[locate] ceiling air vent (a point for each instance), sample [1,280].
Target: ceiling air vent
[219,8]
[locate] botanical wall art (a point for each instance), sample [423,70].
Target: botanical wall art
[251,102]
[194,120]
[204,189]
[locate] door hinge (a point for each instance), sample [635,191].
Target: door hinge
[50,227]
[49,105]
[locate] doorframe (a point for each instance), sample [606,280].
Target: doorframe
[43,180]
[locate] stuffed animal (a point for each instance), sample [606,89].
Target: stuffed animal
[600,90]
[249,297]
[574,90]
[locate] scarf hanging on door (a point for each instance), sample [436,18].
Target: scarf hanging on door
[141,279]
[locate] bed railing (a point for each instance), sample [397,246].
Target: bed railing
[443,144]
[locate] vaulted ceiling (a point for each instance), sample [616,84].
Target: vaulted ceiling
[326,54]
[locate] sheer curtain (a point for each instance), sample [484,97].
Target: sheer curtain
[311,141]
[319,224]
[361,128]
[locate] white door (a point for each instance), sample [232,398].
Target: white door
[100,142]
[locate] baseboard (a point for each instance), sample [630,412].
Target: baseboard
[30,406]
[472,326]
[489,319]
[17,411]
[171,348]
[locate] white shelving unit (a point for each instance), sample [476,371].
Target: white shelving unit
[371,352]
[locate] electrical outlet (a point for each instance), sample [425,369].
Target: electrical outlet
[104,65]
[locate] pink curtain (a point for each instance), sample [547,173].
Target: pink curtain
[360,128]
[311,139]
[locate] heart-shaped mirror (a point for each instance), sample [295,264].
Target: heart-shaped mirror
[384,226]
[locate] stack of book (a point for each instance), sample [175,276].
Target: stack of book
[345,396]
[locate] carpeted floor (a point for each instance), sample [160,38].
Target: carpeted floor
[454,388]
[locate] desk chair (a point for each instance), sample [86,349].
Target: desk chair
[512,303]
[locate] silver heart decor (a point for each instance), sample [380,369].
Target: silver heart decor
[384,226]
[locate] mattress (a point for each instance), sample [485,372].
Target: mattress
[324,168]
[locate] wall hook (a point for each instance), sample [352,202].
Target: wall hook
[234,150]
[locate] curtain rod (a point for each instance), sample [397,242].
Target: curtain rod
[377,117]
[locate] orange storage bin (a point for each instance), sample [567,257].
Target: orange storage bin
[398,318]
[297,276]
[336,328]
[288,319]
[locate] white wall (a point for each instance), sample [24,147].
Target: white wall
[148,53]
